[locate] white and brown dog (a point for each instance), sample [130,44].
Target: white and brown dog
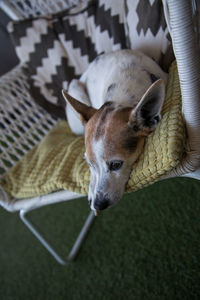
[117,102]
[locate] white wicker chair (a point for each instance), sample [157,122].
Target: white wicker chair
[23,123]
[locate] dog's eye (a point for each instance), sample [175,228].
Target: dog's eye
[115,165]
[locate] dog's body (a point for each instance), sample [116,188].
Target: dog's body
[121,96]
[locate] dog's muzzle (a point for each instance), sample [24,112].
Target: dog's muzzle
[101,202]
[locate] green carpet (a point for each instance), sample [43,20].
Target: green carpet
[146,247]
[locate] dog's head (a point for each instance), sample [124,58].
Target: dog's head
[114,139]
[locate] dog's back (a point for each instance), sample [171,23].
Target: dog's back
[121,76]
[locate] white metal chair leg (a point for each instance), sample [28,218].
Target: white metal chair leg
[76,247]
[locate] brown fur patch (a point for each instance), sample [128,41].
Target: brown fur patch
[95,128]
[103,114]
[120,139]
[88,141]
[112,124]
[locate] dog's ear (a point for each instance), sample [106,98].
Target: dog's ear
[85,112]
[146,115]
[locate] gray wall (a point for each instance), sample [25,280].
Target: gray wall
[8,58]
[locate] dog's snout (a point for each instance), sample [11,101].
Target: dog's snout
[100,205]
[101,202]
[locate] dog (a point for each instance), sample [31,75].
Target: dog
[116,103]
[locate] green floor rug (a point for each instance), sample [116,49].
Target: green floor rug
[146,247]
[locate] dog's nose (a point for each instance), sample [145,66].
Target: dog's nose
[101,202]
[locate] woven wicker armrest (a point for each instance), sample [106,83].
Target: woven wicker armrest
[23,123]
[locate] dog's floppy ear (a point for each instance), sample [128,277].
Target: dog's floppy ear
[146,115]
[85,112]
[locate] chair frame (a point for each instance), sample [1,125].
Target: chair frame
[77,245]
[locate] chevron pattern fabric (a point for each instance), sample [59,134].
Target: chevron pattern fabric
[55,49]
[147,29]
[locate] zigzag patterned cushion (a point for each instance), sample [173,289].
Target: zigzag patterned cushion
[147,30]
[58,48]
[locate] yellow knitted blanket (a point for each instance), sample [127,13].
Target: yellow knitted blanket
[57,161]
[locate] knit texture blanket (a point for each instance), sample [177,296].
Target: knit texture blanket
[57,162]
